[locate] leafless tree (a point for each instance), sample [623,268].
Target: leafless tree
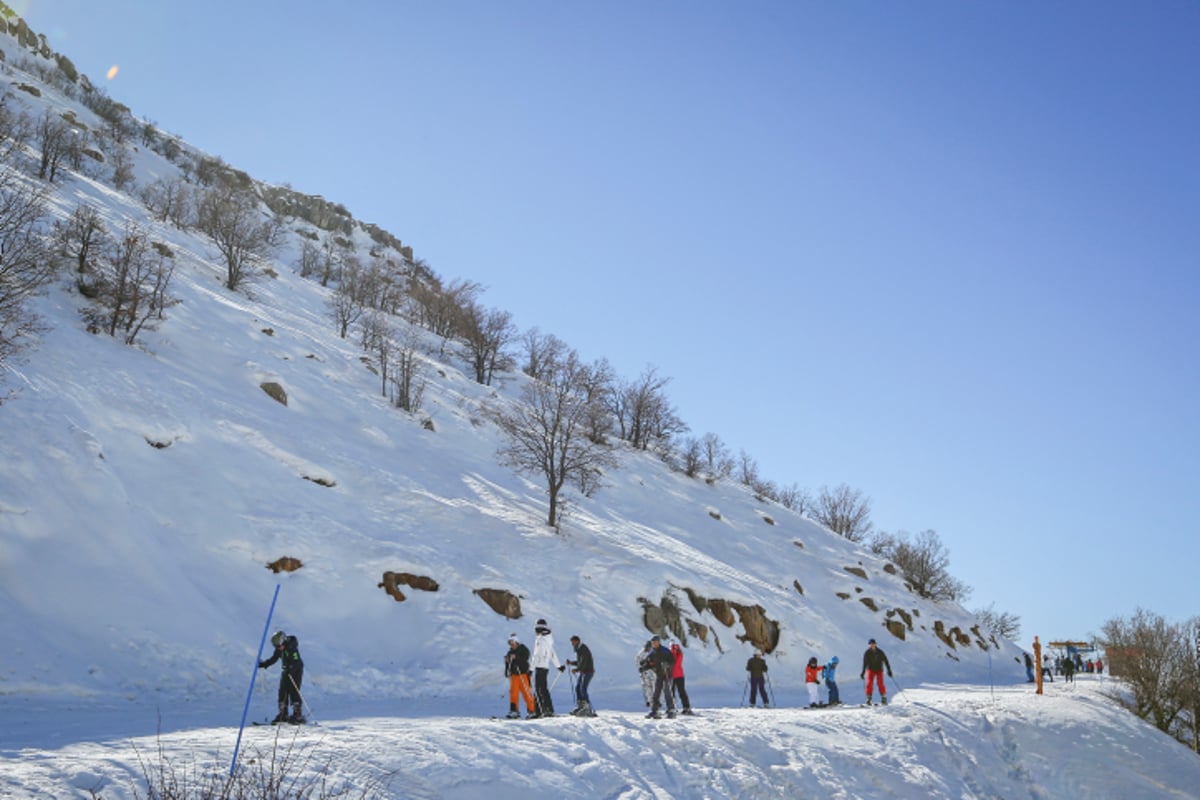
[408,384]
[1000,623]
[80,238]
[644,414]
[25,268]
[797,499]
[717,460]
[844,511]
[245,237]
[54,137]
[486,333]
[169,200]
[542,350]
[1158,662]
[546,432]
[131,286]
[310,259]
[122,169]
[924,562]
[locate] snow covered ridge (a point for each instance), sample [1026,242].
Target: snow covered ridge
[935,742]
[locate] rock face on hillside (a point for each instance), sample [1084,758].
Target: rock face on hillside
[666,617]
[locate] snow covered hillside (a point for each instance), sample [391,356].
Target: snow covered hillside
[145,489]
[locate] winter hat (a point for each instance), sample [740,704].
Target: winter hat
[541,622]
[655,638]
[833,660]
[512,637]
[871,641]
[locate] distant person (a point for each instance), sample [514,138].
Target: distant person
[1047,672]
[758,673]
[678,681]
[1068,668]
[1029,668]
[543,656]
[664,666]
[1099,667]
[646,671]
[287,652]
[812,682]
[516,667]
[831,682]
[583,666]
[874,663]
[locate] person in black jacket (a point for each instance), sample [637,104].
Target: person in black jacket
[516,667]
[874,662]
[583,666]
[664,665]
[287,652]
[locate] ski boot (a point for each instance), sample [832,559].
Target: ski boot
[883,700]
[282,716]
[297,718]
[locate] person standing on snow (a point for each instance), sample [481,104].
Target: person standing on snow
[287,651]
[812,681]
[543,656]
[831,682]
[758,672]
[664,665]
[583,666]
[516,667]
[677,679]
[646,671]
[874,662]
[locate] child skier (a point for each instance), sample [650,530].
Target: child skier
[812,678]
[287,651]
[831,681]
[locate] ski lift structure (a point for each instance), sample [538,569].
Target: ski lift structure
[1074,648]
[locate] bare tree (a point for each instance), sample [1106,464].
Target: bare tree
[80,238]
[542,350]
[408,385]
[797,499]
[25,268]
[1158,663]
[717,459]
[53,140]
[924,562]
[131,286]
[245,237]
[169,199]
[643,412]
[546,432]
[122,169]
[1000,623]
[844,511]
[487,332]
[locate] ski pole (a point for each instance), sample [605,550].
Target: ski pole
[745,686]
[307,709]
[250,693]
[772,688]
[899,688]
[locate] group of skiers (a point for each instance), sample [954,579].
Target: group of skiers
[1066,666]
[660,667]
[517,665]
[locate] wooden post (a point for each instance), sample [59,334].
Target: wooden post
[1037,658]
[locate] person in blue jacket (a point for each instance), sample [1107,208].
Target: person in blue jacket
[831,681]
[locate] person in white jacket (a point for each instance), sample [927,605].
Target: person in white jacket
[543,657]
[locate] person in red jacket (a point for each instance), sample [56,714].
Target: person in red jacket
[812,680]
[678,680]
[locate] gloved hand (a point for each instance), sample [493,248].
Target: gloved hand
[562,667]
[862,677]
[261,665]
[889,673]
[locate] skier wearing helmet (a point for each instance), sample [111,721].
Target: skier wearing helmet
[287,651]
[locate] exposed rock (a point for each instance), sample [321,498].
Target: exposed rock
[392,580]
[904,615]
[722,611]
[502,601]
[799,588]
[761,631]
[890,569]
[285,564]
[844,595]
[896,628]
[869,603]
[859,571]
[275,391]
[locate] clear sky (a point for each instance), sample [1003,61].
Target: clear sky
[946,253]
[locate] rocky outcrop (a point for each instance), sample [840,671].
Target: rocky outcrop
[285,564]
[393,580]
[502,601]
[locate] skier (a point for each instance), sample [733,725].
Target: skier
[677,679]
[812,678]
[758,670]
[874,662]
[584,667]
[831,682]
[646,671]
[1029,669]
[543,656]
[664,664]
[287,651]
[516,667]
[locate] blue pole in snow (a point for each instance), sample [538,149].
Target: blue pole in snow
[253,675]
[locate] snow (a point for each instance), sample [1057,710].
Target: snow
[145,488]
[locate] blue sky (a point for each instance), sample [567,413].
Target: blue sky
[945,253]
